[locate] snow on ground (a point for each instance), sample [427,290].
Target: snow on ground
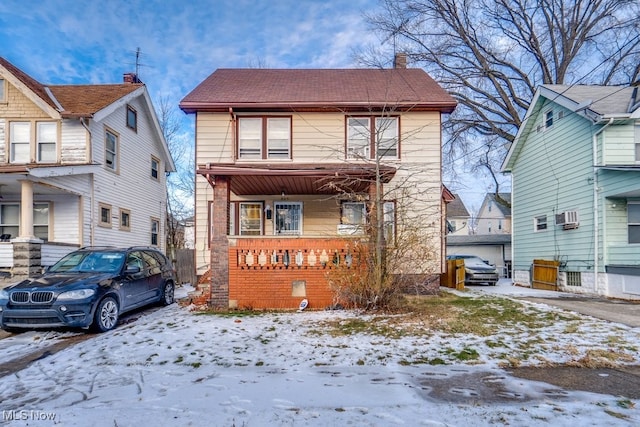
[173,367]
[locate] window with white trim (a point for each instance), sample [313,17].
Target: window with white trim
[250,218]
[633,221]
[365,135]
[548,119]
[111,150]
[287,218]
[20,141]
[155,167]
[353,217]
[540,223]
[155,231]
[10,219]
[389,212]
[41,221]
[264,138]
[46,142]
[3,91]
[637,144]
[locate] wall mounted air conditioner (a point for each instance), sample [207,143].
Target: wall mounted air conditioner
[568,219]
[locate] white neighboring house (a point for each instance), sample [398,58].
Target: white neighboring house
[458,218]
[90,159]
[494,216]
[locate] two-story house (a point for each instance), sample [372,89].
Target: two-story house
[575,168]
[458,218]
[288,161]
[494,216]
[80,165]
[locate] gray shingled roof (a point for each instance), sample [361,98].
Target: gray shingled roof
[506,210]
[456,208]
[605,99]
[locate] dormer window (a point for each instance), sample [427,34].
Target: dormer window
[132,118]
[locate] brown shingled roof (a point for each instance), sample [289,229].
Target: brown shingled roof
[86,100]
[76,100]
[298,89]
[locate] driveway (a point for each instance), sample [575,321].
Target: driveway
[619,311]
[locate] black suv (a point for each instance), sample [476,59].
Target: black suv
[89,288]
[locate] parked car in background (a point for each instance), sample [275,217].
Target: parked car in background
[89,288]
[477,270]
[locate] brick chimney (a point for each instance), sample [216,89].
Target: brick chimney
[400,60]
[130,78]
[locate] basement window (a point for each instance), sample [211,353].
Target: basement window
[574,278]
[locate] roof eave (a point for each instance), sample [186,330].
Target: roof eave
[191,107]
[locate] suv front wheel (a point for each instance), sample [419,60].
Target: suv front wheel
[107,314]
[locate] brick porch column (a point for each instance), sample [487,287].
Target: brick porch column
[219,289]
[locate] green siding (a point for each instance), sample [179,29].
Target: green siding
[619,144]
[552,174]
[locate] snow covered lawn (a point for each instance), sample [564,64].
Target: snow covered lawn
[174,367]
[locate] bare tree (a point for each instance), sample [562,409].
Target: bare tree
[181,184]
[492,54]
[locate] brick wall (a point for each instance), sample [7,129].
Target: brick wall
[258,280]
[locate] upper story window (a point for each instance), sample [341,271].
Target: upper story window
[20,137]
[132,118]
[46,142]
[3,91]
[155,167]
[540,223]
[548,119]
[264,138]
[365,135]
[633,221]
[111,150]
[637,147]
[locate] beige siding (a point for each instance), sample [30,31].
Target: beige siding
[19,107]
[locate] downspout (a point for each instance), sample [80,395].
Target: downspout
[596,219]
[91,187]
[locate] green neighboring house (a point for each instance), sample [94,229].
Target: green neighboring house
[575,167]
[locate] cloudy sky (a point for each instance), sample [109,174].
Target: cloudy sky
[181,42]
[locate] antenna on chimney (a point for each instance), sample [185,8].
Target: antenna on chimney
[133,77]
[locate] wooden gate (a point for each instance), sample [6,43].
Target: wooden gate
[545,274]
[454,276]
[185,268]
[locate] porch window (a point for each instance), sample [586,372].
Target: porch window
[41,221]
[369,136]
[540,223]
[20,138]
[46,142]
[389,212]
[353,217]
[111,151]
[155,231]
[633,221]
[10,219]
[288,218]
[264,138]
[250,219]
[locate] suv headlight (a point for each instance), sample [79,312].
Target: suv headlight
[4,295]
[77,294]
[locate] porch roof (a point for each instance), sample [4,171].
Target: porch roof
[271,179]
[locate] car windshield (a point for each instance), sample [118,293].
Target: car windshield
[86,262]
[474,260]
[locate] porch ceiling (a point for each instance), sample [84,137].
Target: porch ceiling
[273,179]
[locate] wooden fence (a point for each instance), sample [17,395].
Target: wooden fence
[545,274]
[185,266]
[454,276]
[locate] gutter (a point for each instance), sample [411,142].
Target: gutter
[596,218]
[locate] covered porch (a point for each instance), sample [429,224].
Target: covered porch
[277,229]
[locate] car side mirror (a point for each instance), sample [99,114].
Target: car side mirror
[131,270]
